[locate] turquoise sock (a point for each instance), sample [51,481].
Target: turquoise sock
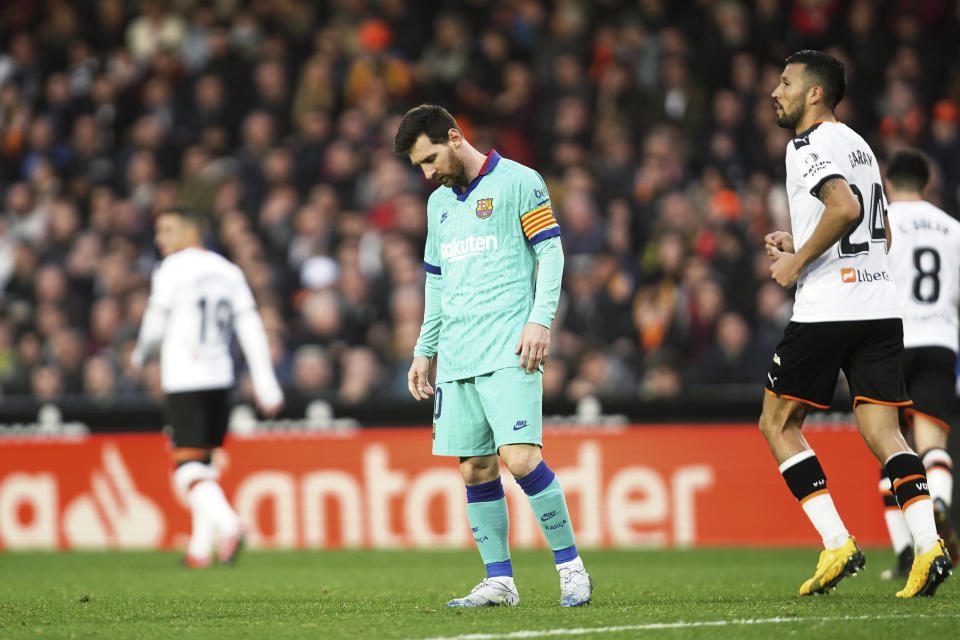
[487,512]
[550,507]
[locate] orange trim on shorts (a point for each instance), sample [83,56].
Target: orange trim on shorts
[858,399]
[796,399]
[911,413]
[895,508]
[912,500]
[814,495]
[900,481]
[181,454]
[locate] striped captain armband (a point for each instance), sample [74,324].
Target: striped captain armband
[539,224]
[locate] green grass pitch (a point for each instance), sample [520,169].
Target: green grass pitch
[401,595]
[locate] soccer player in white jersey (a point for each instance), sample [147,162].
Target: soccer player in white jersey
[845,317]
[925,262]
[494,265]
[198,300]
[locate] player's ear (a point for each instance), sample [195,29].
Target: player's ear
[454,137]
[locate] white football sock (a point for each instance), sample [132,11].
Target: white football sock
[823,514]
[919,517]
[939,480]
[225,520]
[201,537]
[900,536]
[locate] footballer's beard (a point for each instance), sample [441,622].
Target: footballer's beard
[788,119]
[457,176]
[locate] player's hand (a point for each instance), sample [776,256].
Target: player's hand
[533,346]
[777,242]
[418,378]
[786,268]
[270,410]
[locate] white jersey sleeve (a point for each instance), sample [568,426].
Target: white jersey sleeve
[925,260]
[851,280]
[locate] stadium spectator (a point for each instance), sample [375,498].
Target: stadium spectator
[651,125]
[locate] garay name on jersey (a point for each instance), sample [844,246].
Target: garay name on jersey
[858,156]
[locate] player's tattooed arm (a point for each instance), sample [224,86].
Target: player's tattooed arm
[828,188]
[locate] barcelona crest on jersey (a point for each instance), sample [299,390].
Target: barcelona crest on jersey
[484,208]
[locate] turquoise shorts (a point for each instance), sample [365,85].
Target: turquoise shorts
[476,416]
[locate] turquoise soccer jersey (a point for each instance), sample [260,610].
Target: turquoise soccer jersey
[481,247]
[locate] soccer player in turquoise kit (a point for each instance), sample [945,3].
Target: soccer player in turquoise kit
[494,264]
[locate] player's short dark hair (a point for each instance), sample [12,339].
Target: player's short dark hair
[828,72]
[431,119]
[908,170]
[188,213]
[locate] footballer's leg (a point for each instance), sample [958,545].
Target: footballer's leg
[877,386]
[460,429]
[513,403]
[193,469]
[230,534]
[930,436]
[187,414]
[550,507]
[900,537]
[931,564]
[490,524]
[780,423]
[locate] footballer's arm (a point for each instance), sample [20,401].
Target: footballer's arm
[841,209]
[418,377]
[152,329]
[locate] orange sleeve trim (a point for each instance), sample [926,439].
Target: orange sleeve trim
[886,492]
[897,508]
[858,399]
[796,399]
[912,413]
[814,495]
[912,500]
[900,481]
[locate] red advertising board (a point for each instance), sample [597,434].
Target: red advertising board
[670,485]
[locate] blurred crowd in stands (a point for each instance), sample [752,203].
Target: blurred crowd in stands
[650,121]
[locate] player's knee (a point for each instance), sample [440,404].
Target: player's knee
[477,470]
[521,459]
[771,426]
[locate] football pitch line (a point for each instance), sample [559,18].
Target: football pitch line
[653,626]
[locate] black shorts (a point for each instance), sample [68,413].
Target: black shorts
[198,418]
[931,379]
[812,354]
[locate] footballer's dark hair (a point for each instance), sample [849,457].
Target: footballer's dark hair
[188,213]
[908,170]
[431,119]
[828,72]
